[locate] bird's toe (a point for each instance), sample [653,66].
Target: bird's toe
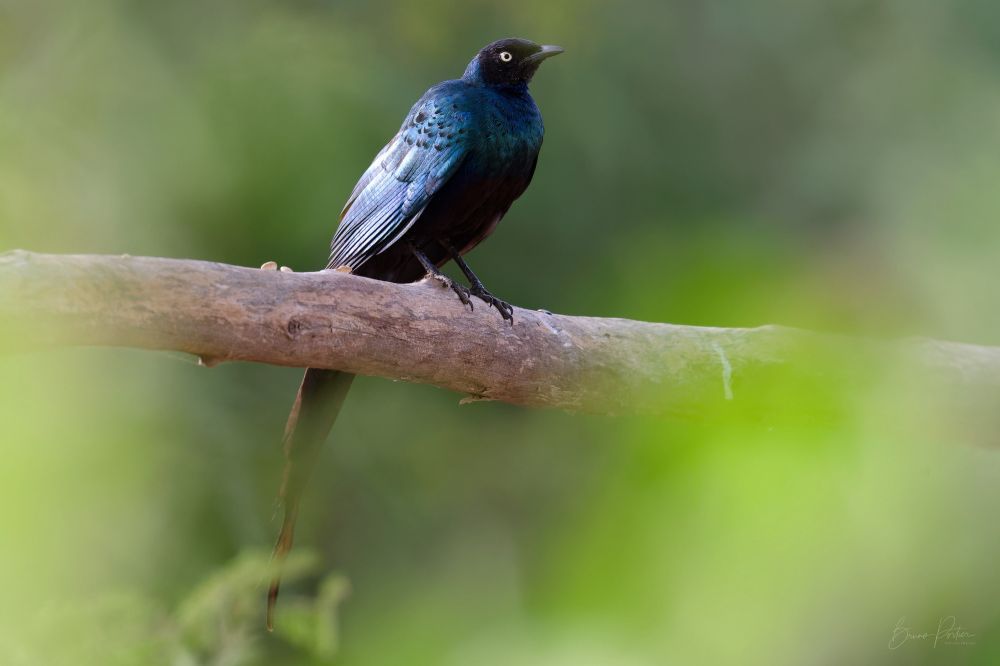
[463,295]
[503,307]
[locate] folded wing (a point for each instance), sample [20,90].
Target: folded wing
[399,184]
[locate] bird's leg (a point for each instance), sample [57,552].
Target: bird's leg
[433,272]
[478,289]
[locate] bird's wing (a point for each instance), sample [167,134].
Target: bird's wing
[398,185]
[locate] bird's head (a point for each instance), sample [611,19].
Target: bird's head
[508,62]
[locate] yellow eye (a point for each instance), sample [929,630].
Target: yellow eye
[506,56]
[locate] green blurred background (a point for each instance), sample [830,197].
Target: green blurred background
[828,165]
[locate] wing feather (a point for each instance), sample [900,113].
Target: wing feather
[402,179]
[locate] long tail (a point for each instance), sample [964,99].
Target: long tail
[316,408]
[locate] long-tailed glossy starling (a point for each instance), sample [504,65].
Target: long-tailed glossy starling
[466,150]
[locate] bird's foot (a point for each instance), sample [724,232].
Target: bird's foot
[273,266]
[503,307]
[463,292]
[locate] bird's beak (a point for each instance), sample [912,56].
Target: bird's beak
[546,51]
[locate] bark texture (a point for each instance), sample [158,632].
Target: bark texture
[421,333]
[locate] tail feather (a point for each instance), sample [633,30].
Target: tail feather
[316,408]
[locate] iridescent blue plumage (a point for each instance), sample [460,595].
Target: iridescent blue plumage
[424,154]
[466,150]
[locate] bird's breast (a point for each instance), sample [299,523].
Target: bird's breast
[510,129]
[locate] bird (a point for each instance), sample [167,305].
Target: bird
[464,153]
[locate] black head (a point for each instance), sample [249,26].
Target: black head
[508,62]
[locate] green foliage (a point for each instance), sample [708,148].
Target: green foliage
[218,623]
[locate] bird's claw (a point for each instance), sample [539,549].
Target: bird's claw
[503,307]
[273,266]
[465,295]
[462,292]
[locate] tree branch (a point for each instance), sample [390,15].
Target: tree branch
[421,333]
